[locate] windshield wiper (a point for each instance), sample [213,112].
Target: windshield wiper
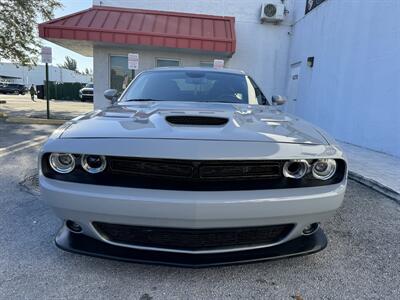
[142,99]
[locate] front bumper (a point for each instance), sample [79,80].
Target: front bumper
[85,203]
[82,244]
[86,96]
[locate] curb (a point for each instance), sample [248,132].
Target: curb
[39,121]
[375,185]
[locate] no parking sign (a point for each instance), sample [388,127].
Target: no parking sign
[133,61]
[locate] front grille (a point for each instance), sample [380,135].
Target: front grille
[151,167]
[196,170]
[192,239]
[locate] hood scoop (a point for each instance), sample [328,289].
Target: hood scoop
[196,120]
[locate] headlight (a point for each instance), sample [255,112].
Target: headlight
[93,163]
[62,162]
[295,168]
[324,169]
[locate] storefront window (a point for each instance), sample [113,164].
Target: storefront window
[120,76]
[162,62]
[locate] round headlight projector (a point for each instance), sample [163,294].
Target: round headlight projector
[295,168]
[62,162]
[324,169]
[93,163]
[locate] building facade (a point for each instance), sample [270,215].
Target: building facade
[37,74]
[335,60]
[353,89]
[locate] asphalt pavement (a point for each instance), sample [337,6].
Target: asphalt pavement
[362,260]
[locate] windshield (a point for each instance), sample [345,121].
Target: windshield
[89,85]
[194,86]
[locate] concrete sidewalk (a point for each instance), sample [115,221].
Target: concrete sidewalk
[374,169]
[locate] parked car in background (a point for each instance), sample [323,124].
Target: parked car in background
[13,88]
[195,167]
[86,93]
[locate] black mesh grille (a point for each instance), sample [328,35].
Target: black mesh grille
[240,170]
[192,239]
[151,168]
[196,170]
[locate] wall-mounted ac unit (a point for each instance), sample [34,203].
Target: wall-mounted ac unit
[272,12]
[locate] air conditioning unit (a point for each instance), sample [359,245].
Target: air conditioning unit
[272,12]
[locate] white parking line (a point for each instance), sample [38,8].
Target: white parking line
[22,145]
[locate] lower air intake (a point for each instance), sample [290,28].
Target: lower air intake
[192,239]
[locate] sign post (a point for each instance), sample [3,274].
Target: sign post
[47,92]
[47,59]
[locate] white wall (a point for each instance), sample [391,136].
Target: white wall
[261,50]
[353,90]
[37,74]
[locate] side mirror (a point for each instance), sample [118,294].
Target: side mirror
[278,100]
[111,95]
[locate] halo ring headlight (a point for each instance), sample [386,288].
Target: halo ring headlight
[93,163]
[62,162]
[295,168]
[324,169]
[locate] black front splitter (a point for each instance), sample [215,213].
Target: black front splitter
[82,244]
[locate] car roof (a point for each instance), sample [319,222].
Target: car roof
[208,69]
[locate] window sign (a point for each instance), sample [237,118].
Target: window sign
[311,4]
[218,63]
[120,75]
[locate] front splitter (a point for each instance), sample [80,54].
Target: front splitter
[82,244]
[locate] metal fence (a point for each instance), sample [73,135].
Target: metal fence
[60,91]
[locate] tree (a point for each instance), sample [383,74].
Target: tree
[88,71]
[70,64]
[18,28]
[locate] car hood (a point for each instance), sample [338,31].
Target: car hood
[87,89]
[149,120]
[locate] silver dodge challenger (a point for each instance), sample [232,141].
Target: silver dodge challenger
[192,167]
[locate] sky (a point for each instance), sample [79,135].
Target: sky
[59,53]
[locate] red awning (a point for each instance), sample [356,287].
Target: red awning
[101,24]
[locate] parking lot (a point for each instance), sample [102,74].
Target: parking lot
[23,106]
[362,260]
